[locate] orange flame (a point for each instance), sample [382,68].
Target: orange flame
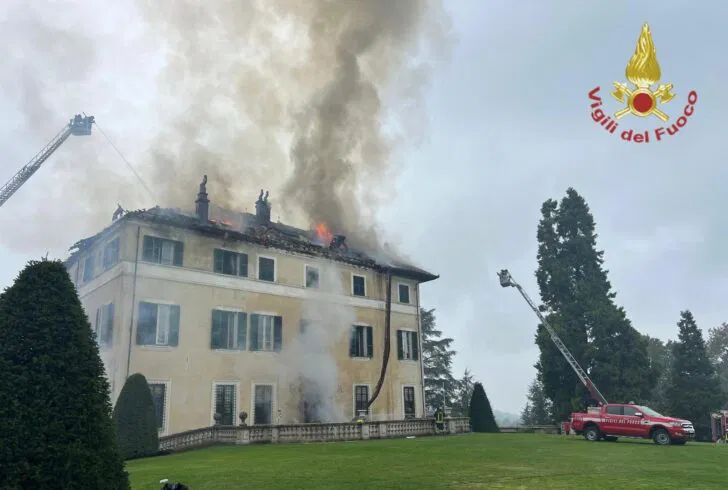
[323,233]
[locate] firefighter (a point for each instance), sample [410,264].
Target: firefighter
[440,419]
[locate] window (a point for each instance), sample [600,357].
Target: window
[230,263]
[159,397]
[105,325]
[266,269]
[88,268]
[361,342]
[266,332]
[404,294]
[162,251]
[111,254]
[225,403]
[407,348]
[629,411]
[263,405]
[312,276]
[158,324]
[229,330]
[361,400]
[358,285]
[408,401]
[614,410]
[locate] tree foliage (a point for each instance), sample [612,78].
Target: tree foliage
[538,407]
[135,419]
[461,403]
[54,397]
[481,413]
[660,358]
[437,357]
[694,388]
[578,302]
[717,346]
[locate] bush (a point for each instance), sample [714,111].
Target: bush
[57,430]
[135,419]
[481,414]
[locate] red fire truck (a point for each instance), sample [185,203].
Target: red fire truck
[613,420]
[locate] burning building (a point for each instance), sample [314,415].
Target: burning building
[228,312]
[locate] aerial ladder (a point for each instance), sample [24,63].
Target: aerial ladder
[507,281]
[78,126]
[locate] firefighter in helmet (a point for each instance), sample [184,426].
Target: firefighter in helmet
[440,419]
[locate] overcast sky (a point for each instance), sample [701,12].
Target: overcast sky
[509,127]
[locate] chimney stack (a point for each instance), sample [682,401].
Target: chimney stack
[262,209]
[202,204]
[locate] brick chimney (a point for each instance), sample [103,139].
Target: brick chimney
[262,209]
[202,204]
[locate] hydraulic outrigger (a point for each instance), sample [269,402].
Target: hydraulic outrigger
[507,281]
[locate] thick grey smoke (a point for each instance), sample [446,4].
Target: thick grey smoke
[343,77]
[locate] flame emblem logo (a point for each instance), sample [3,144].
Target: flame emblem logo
[643,71]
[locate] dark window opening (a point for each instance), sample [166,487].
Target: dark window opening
[361,342]
[409,402]
[361,400]
[266,269]
[312,277]
[229,330]
[159,394]
[263,405]
[230,263]
[111,254]
[614,410]
[359,287]
[225,403]
[162,251]
[404,294]
[407,347]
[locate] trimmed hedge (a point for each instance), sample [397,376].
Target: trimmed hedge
[481,413]
[136,423]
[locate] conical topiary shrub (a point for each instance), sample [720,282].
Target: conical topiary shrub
[481,413]
[135,419]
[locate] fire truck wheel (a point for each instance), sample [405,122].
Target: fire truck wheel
[592,433]
[661,437]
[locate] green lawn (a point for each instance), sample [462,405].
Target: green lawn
[465,461]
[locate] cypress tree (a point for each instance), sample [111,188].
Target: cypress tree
[481,413]
[135,419]
[55,413]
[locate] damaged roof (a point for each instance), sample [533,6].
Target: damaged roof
[269,235]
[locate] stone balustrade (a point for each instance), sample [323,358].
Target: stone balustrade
[302,433]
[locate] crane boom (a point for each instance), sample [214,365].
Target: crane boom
[507,281]
[78,126]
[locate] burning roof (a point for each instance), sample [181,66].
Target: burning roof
[259,230]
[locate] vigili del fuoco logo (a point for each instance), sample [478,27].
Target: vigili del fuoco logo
[643,72]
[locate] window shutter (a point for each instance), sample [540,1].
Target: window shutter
[352,342]
[97,324]
[148,249]
[242,330]
[415,347]
[277,333]
[254,331]
[109,327]
[243,265]
[400,350]
[178,252]
[217,260]
[174,326]
[147,324]
[216,330]
[370,343]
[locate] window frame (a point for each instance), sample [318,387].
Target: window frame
[404,402]
[400,285]
[237,254]
[158,303]
[353,287]
[275,268]
[100,324]
[260,315]
[237,312]
[366,335]
[108,264]
[273,401]
[89,259]
[353,397]
[161,255]
[236,400]
[413,342]
[306,267]
[165,413]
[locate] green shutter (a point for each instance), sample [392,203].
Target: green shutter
[108,333]
[97,324]
[148,249]
[415,347]
[277,333]
[174,326]
[216,331]
[242,330]
[217,261]
[243,265]
[352,342]
[370,342]
[254,319]
[178,253]
[147,324]
[400,350]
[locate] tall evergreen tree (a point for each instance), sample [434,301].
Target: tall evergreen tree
[694,388]
[135,419]
[538,407]
[57,430]
[718,353]
[437,357]
[461,404]
[660,357]
[578,302]
[481,413]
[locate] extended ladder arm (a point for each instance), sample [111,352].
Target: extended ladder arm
[78,126]
[507,281]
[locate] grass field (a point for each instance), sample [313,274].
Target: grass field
[465,461]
